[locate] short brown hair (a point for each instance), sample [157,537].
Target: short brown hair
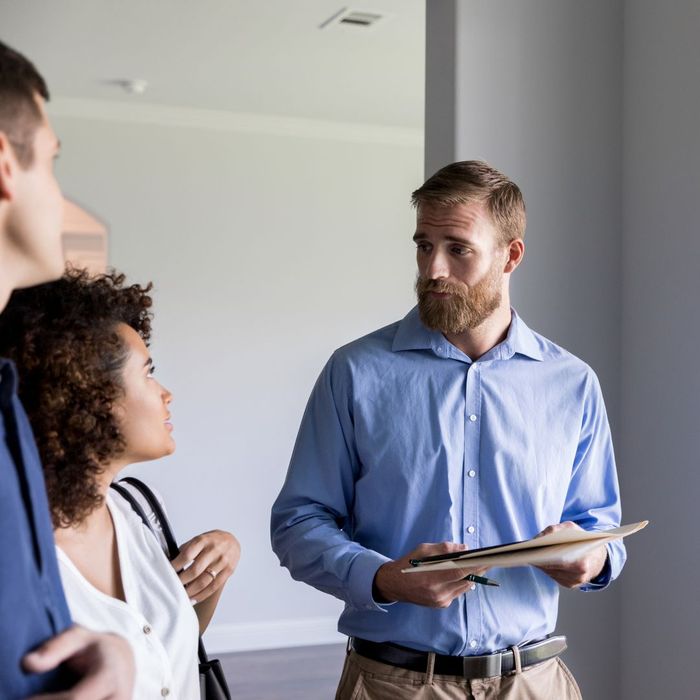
[469,181]
[20,83]
[63,338]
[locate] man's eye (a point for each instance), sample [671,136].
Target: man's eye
[459,250]
[422,247]
[151,371]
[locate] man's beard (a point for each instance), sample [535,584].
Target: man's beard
[465,308]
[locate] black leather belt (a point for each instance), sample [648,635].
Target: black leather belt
[497,664]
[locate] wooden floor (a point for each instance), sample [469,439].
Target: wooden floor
[300,673]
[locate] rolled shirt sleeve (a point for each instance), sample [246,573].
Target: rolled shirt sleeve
[312,514]
[593,499]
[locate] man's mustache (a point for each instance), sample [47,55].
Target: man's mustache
[440,286]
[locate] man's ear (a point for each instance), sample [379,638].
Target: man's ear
[516,251]
[8,168]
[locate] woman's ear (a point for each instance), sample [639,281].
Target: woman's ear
[118,411]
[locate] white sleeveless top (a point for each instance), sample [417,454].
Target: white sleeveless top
[157,620]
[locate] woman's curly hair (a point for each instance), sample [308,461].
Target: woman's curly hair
[63,338]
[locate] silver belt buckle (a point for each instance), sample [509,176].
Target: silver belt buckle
[485,666]
[493,663]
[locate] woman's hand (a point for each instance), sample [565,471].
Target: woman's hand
[209,558]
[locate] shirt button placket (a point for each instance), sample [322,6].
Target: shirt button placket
[472,429]
[472,447]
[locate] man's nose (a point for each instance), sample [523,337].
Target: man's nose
[437,267]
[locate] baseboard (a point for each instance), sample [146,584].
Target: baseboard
[252,636]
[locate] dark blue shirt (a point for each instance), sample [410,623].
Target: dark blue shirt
[32,604]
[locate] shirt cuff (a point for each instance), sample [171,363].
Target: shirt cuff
[604,578]
[362,572]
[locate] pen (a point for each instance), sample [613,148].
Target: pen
[481,579]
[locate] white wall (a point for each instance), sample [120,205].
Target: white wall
[661,334]
[270,242]
[537,92]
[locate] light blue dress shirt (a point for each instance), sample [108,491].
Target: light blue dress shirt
[406,440]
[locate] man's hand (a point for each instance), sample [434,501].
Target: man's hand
[435,589]
[210,559]
[580,571]
[104,662]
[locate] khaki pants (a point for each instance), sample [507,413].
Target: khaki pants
[364,679]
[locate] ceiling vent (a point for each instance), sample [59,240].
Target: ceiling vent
[346,17]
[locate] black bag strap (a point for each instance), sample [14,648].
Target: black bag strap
[173,549]
[145,491]
[127,495]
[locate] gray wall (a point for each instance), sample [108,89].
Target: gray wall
[537,93]
[660,336]
[594,107]
[269,246]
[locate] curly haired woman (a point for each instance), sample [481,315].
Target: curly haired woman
[80,345]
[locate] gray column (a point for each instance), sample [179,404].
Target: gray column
[535,88]
[661,337]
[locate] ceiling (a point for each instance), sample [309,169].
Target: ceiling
[254,56]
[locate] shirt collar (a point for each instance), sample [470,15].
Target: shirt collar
[520,340]
[413,335]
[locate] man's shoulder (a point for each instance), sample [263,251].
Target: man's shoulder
[365,359]
[376,344]
[561,359]
[553,351]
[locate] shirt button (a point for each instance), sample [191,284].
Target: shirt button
[472,418]
[471,473]
[165,692]
[472,644]
[146,629]
[471,529]
[472,587]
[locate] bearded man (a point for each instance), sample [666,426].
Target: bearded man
[455,428]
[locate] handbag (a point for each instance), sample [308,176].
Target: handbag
[212,682]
